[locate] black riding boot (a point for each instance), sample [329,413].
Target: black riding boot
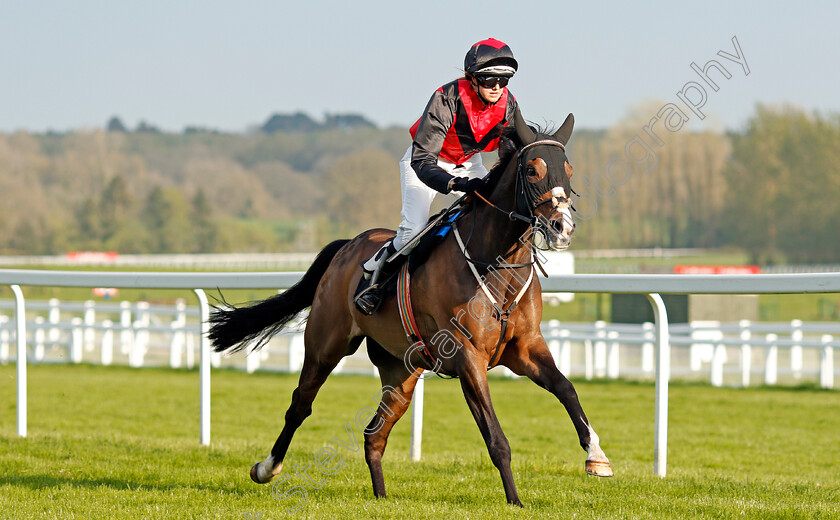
[369,299]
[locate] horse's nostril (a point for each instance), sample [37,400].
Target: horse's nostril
[560,227]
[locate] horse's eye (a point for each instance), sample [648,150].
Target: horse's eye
[531,171]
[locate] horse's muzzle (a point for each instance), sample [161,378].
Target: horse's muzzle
[561,227]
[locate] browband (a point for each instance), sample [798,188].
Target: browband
[543,141]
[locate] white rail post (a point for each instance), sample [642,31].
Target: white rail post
[54,317]
[181,311]
[176,345]
[796,350]
[20,327]
[204,364]
[553,343]
[771,360]
[416,447]
[39,339]
[554,348]
[190,346]
[90,321]
[648,363]
[613,362]
[252,361]
[126,337]
[663,374]
[704,335]
[718,360]
[297,351]
[588,364]
[695,357]
[106,352]
[141,334]
[827,363]
[746,352]
[178,341]
[4,340]
[565,358]
[600,349]
[76,340]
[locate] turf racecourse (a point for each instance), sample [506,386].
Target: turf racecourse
[123,443]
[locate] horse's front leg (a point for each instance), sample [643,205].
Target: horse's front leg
[530,357]
[473,374]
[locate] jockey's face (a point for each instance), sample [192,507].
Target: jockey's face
[489,95]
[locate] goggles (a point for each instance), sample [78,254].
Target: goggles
[492,81]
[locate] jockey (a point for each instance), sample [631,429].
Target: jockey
[463,117]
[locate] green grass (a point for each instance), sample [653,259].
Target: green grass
[123,443]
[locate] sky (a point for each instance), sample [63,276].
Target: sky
[230,65]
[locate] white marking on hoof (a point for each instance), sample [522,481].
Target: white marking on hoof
[261,475]
[594,451]
[255,473]
[597,462]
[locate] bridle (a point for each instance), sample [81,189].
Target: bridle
[527,214]
[540,225]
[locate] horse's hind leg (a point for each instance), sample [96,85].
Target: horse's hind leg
[397,389]
[533,359]
[324,349]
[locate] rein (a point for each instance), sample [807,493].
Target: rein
[490,264]
[512,215]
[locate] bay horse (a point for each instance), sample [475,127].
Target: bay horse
[527,194]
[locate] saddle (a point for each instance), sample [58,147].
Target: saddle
[439,225]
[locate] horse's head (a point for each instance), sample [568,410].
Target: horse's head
[543,184]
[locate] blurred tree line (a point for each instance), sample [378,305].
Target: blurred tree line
[295,184]
[770,190]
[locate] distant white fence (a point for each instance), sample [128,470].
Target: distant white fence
[139,334]
[650,285]
[723,353]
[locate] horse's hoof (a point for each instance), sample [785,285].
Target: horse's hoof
[599,468]
[255,474]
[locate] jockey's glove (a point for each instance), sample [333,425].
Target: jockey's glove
[466,185]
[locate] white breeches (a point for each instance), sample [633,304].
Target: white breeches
[417,197]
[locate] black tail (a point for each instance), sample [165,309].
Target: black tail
[232,329]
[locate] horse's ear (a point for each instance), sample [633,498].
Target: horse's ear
[565,131]
[523,131]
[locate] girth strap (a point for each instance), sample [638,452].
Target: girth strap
[412,331]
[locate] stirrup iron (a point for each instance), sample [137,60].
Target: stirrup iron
[369,300]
